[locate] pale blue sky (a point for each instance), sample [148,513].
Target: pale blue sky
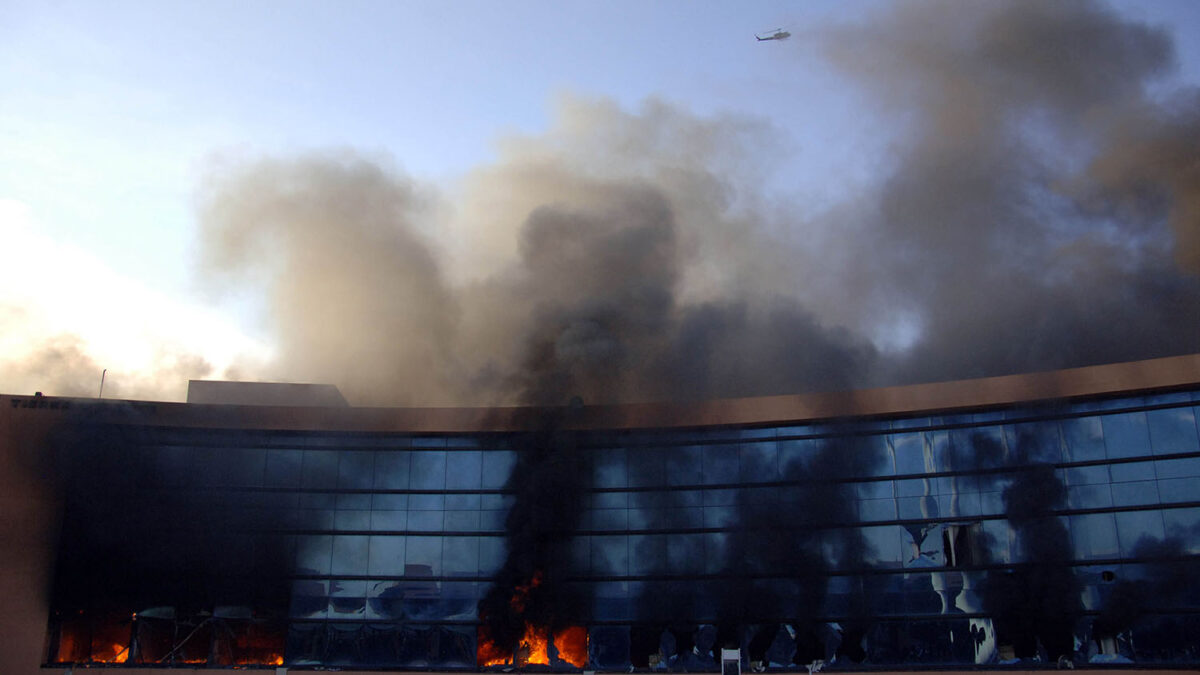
[110,108]
[110,111]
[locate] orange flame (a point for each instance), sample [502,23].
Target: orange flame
[116,653]
[572,645]
[535,644]
[534,648]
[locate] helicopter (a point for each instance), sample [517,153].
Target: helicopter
[778,34]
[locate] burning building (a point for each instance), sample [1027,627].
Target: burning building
[1043,517]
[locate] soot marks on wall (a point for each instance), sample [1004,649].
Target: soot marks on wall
[548,484]
[1036,603]
[144,525]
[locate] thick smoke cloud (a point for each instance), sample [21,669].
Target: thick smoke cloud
[1041,212]
[1042,193]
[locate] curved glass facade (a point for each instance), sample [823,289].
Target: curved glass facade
[1042,532]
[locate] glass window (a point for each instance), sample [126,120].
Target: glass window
[384,599]
[608,468]
[609,519]
[356,469]
[1177,490]
[389,502]
[462,502]
[464,470]
[354,502]
[716,552]
[974,448]
[386,555]
[913,455]
[1039,442]
[423,556]
[917,508]
[426,502]
[610,500]
[1134,526]
[647,467]
[998,538]
[611,600]
[1094,536]
[425,521]
[495,501]
[1089,497]
[684,518]
[685,465]
[347,599]
[462,521]
[885,546]
[1131,471]
[647,554]
[460,556]
[609,648]
[685,553]
[242,466]
[349,554]
[391,469]
[1185,525]
[1126,435]
[876,489]
[579,552]
[1135,494]
[352,520]
[721,497]
[317,500]
[428,470]
[1177,468]
[720,516]
[1172,430]
[877,509]
[491,520]
[610,554]
[313,553]
[497,465]
[283,468]
[492,552]
[320,469]
[310,599]
[1088,475]
[968,504]
[915,487]
[394,521]
[1084,437]
[758,462]
[460,600]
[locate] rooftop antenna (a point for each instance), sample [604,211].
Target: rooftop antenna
[102,374]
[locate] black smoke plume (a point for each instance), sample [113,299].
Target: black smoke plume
[1036,603]
[547,484]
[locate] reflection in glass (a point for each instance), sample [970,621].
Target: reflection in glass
[1094,536]
[349,554]
[464,470]
[1172,431]
[1126,435]
[428,470]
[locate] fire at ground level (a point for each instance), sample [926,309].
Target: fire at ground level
[156,638]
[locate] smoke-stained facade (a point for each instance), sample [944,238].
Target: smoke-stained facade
[950,526]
